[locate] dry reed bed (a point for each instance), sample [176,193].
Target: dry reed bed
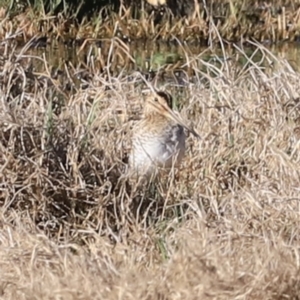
[226,227]
[263,21]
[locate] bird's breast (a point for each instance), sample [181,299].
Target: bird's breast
[159,148]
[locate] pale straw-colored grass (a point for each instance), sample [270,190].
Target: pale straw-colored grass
[226,226]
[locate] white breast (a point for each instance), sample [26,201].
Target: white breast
[165,150]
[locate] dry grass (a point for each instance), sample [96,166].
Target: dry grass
[227,225]
[236,21]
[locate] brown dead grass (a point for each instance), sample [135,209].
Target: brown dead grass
[136,20]
[227,226]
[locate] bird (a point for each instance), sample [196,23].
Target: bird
[158,139]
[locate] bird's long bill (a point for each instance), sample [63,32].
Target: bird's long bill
[166,111]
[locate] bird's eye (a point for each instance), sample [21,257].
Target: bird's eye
[155,99]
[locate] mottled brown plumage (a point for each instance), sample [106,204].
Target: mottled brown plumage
[159,138]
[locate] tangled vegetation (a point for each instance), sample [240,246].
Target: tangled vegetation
[190,21]
[226,226]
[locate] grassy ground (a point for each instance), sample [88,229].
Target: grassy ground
[225,227]
[235,21]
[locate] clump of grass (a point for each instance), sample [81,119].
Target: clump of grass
[225,226]
[131,21]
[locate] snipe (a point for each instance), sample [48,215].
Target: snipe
[159,137]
